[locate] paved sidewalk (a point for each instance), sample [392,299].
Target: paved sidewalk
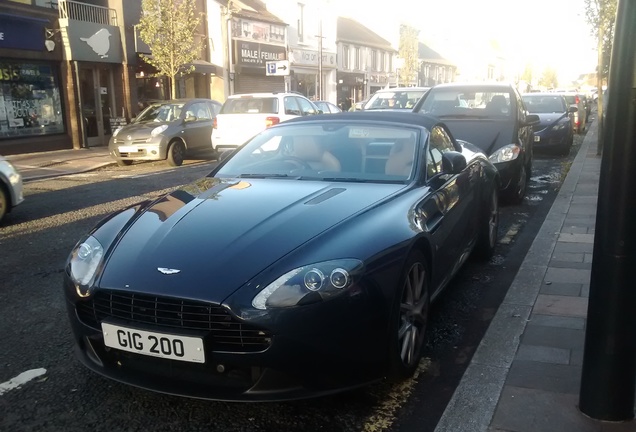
[525,375]
[34,166]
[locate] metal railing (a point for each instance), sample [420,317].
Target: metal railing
[79,11]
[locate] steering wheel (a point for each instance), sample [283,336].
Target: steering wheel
[297,161]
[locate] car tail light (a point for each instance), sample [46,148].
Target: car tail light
[271,121]
[577,100]
[214,123]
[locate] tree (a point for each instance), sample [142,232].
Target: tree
[549,78]
[168,27]
[601,16]
[527,73]
[409,53]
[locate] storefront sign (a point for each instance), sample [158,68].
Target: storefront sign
[94,42]
[254,54]
[257,31]
[19,32]
[303,57]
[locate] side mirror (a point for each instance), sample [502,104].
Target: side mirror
[532,119]
[453,162]
[573,109]
[320,112]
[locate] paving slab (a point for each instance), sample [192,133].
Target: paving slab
[567,275]
[556,321]
[549,377]
[566,306]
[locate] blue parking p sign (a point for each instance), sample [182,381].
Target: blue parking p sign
[277,68]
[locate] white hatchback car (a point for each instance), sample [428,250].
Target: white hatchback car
[10,187]
[245,115]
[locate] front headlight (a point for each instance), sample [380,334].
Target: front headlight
[84,262]
[309,284]
[159,129]
[505,154]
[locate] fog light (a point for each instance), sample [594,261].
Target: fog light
[154,152]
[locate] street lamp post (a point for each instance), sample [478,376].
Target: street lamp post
[320,61]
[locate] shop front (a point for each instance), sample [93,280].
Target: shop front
[32,116]
[250,59]
[305,74]
[95,51]
[351,89]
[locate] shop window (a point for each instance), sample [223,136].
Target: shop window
[30,102]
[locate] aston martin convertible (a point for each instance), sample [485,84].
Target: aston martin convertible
[304,264]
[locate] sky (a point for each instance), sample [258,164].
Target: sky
[544,33]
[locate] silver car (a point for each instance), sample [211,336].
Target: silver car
[10,187]
[166,130]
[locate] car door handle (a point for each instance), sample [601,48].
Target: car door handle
[434,222]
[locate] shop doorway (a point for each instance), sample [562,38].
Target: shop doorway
[98,102]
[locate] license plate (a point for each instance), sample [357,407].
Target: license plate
[127,149]
[537,138]
[164,345]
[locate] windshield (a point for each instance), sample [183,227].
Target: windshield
[394,99]
[538,104]
[329,151]
[250,105]
[467,103]
[160,113]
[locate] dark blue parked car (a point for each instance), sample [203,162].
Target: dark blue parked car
[555,132]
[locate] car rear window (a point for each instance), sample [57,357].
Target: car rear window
[250,105]
[571,99]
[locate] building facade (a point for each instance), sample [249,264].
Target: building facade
[34,113]
[366,62]
[433,67]
[311,38]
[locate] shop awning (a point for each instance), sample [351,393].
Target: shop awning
[204,67]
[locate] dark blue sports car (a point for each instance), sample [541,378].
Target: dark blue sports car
[555,132]
[303,264]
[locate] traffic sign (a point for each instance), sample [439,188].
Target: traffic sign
[277,68]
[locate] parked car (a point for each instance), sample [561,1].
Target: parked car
[494,118]
[554,133]
[397,98]
[580,116]
[195,294]
[10,187]
[327,107]
[243,116]
[165,130]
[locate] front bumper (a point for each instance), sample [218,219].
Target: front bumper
[154,149]
[548,140]
[509,173]
[313,350]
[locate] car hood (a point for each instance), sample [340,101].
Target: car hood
[136,130]
[549,119]
[488,135]
[218,234]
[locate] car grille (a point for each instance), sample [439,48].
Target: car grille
[121,141]
[228,334]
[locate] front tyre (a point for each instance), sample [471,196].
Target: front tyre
[409,318]
[122,162]
[176,153]
[488,228]
[4,202]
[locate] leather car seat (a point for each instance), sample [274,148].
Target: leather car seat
[309,150]
[401,158]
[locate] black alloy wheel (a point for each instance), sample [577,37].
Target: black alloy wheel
[409,318]
[176,153]
[518,189]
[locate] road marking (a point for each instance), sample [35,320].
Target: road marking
[23,378]
[512,232]
[385,413]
